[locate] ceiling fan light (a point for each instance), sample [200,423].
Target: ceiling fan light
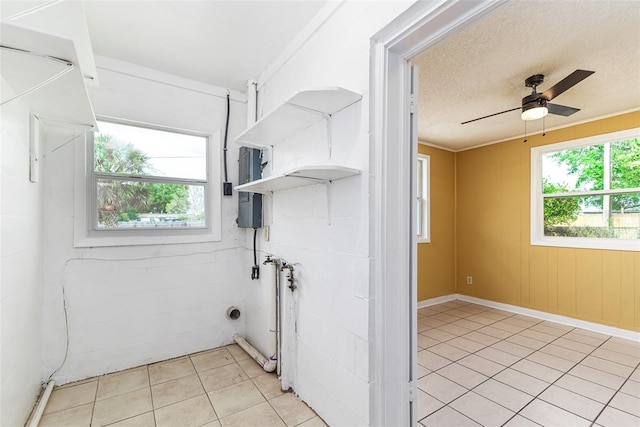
[534,111]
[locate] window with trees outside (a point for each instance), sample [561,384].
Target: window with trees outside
[147,181]
[586,192]
[422,214]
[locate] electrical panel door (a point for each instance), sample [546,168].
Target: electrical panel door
[249,204]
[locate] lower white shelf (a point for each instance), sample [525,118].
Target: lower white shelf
[299,177]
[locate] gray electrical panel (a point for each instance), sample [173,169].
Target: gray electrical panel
[249,204]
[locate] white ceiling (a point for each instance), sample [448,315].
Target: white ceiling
[476,72]
[481,70]
[223,43]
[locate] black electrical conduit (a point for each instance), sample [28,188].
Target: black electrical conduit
[226,186]
[255,270]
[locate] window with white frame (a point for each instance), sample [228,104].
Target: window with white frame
[144,182]
[423,208]
[585,193]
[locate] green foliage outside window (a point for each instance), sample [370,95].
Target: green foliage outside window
[559,210]
[587,164]
[601,167]
[124,200]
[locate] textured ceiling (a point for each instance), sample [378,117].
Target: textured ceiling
[481,70]
[223,43]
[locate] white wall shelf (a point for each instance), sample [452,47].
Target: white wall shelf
[299,177]
[62,18]
[302,110]
[63,99]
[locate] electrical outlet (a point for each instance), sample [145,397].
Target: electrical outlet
[469,280]
[266,231]
[227,188]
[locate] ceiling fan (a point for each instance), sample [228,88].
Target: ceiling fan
[537,105]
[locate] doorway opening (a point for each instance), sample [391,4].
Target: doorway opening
[394,226]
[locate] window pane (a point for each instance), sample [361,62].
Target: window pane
[419,216]
[133,150]
[594,216]
[131,204]
[422,189]
[420,176]
[625,164]
[575,169]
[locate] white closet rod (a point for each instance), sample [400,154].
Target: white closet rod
[31,10]
[69,65]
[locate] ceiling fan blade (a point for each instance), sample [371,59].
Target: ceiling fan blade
[567,83]
[561,110]
[490,115]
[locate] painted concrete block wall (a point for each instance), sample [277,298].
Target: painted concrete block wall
[328,237]
[493,187]
[436,259]
[20,268]
[133,305]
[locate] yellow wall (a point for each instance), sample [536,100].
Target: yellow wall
[436,260]
[493,244]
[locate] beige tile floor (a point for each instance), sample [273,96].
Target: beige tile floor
[479,366]
[220,387]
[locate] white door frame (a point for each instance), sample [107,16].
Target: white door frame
[393,159]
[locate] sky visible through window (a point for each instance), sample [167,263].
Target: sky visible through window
[170,154]
[558,174]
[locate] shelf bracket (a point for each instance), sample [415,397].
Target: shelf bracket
[327,187]
[327,120]
[69,67]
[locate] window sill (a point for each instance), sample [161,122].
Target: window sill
[86,240]
[578,243]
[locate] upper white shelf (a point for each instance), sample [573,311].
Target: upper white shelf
[302,110]
[65,98]
[62,18]
[298,177]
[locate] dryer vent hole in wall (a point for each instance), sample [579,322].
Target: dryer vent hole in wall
[233,313]
[469,280]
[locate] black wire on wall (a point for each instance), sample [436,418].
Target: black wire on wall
[226,185]
[255,270]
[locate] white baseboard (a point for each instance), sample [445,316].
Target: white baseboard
[564,320]
[438,300]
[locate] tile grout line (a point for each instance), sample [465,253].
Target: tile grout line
[249,378]
[452,362]
[571,391]
[259,391]
[525,358]
[515,413]
[616,393]
[95,398]
[557,379]
[203,387]
[474,353]
[563,373]
[150,394]
[153,406]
